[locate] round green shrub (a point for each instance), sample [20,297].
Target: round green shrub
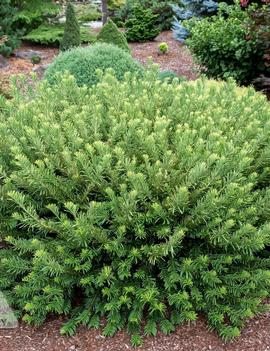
[82,63]
[163,48]
[148,200]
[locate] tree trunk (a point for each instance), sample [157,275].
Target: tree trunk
[104,6]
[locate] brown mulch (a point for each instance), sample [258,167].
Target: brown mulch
[195,337]
[178,58]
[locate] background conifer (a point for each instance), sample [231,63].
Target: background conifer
[112,35]
[71,36]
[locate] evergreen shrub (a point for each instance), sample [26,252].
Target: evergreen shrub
[142,25]
[161,8]
[82,63]
[71,37]
[52,35]
[169,75]
[111,34]
[30,14]
[8,35]
[136,201]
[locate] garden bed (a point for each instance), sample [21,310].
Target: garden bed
[196,337]
[178,59]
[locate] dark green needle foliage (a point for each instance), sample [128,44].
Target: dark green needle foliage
[150,201]
[111,34]
[8,36]
[142,24]
[71,36]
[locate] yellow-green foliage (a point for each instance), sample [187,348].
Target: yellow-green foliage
[151,199]
[111,34]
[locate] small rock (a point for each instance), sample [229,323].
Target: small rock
[39,70]
[28,54]
[72,348]
[93,24]
[3,62]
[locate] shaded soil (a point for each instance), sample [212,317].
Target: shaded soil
[178,58]
[195,337]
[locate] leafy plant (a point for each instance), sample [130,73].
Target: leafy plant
[111,34]
[220,44]
[8,36]
[82,63]
[71,37]
[52,35]
[163,48]
[149,199]
[141,25]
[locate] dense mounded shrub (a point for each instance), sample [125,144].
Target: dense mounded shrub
[111,34]
[136,201]
[71,37]
[223,46]
[141,25]
[162,9]
[82,63]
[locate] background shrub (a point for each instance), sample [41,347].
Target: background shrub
[8,36]
[111,34]
[149,200]
[141,25]
[82,63]
[162,9]
[71,37]
[30,14]
[52,35]
[87,12]
[221,44]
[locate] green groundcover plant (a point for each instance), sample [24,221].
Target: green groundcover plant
[52,35]
[141,202]
[82,63]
